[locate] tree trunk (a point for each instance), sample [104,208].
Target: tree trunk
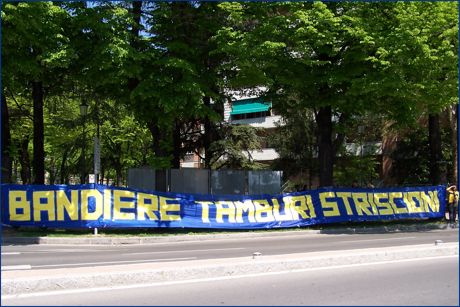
[52,172]
[434,135]
[118,174]
[134,41]
[6,162]
[83,156]
[157,136]
[39,147]
[136,25]
[63,168]
[102,174]
[177,144]
[389,144]
[207,135]
[118,171]
[325,147]
[26,176]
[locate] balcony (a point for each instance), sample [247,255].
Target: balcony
[364,149]
[266,154]
[260,122]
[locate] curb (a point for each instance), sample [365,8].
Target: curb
[387,229]
[113,240]
[118,276]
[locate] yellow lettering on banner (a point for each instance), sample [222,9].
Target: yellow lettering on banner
[300,205]
[166,207]
[370,199]
[383,207]
[362,205]
[291,202]
[331,206]
[119,205]
[205,210]
[289,206]
[48,206]
[107,204]
[432,201]
[70,206]
[310,206]
[18,202]
[393,196]
[345,196]
[246,206]
[147,204]
[98,202]
[225,208]
[264,211]
[411,204]
[277,214]
[422,202]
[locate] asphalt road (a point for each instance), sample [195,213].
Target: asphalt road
[421,282]
[66,256]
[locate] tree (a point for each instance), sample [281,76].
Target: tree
[294,140]
[234,147]
[414,75]
[34,59]
[173,76]
[6,142]
[309,55]
[166,68]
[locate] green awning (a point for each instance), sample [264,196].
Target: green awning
[246,106]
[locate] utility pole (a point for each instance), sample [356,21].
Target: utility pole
[83,112]
[97,147]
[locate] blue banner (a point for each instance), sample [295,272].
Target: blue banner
[90,206]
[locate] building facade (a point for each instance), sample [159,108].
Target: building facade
[257,113]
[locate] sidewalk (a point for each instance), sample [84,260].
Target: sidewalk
[75,279]
[9,237]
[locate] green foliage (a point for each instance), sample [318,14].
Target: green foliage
[309,56]
[362,171]
[234,148]
[395,60]
[412,160]
[294,141]
[415,63]
[125,143]
[388,58]
[35,38]
[99,36]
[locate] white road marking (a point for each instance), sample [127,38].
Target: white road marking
[187,250]
[372,240]
[66,251]
[198,280]
[10,253]
[109,262]
[51,251]
[16,267]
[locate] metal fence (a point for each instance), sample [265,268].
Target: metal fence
[189,180]
[228,182]
[203,181]
[142,178]
[264,182]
